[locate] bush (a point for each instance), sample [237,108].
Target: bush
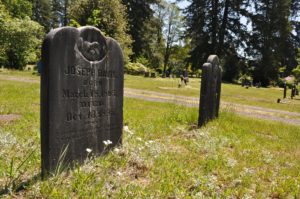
[136,69]
[289,83]
[20,41]
[244,78]
[296,72]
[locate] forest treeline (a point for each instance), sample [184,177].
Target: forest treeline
[257,39]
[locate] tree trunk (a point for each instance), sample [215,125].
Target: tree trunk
[223,28]
[214,25]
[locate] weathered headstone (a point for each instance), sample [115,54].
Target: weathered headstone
[293,91]
[210,90]
[81,95]
[147,74]
[153,75]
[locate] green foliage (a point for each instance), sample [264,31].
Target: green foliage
[213,27]
[296,72]
[20,40]
[135,68]
[143,61]
[18,8]
[268,35]
[107,15]
[173,31]
[178,58]
[141,26]
[41,13]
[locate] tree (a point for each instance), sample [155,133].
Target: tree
[41,13]
[215,26]
[59,12]
[172,32]
[296,71]
[20,39]
[107,15]
[139,20]
[269,38]
[18,8]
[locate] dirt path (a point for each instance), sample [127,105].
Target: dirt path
[18,79]
[245,110]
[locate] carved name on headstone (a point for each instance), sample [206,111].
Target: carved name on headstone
[210,90]
[81,95]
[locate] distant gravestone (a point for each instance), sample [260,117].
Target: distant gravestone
[153,75]
[293,91]
[147,74]
[284,90]
[81,95]
[210,90]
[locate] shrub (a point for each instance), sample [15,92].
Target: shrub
[136,69]
[20,41]
[296,72]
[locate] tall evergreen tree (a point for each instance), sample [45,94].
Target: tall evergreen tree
[139,17]
[270,38]
[215,26]
[41,13]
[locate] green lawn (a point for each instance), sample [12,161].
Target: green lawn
[163,155]
[263,97]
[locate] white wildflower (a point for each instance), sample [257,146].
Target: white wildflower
[107,142]
[88,150]
[119,173]
[126,129]
[139,139]
[231,162]
[116,150]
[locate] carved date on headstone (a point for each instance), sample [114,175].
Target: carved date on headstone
[81,95]
[210,90]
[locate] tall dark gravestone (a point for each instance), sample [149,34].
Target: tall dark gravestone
[284,90]
[81,95]
[210,90]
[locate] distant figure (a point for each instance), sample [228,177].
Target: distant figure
[183,80]
[186,76]
[185,73]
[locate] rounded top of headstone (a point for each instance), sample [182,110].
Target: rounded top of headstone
[213,59]
[91,44]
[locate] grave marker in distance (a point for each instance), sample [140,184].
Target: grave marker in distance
[81,95]
[210,90]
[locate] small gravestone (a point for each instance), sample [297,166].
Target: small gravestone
[210,90]
[147,74]
[81,96]
[284,90]
[293,91]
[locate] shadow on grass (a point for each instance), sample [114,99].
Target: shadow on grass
[21,186]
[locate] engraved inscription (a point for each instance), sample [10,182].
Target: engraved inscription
[89,72]
[85,93]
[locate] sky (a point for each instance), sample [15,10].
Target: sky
[183,4]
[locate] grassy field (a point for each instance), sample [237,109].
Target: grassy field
[263,97]
[163,155]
